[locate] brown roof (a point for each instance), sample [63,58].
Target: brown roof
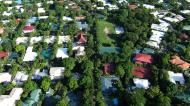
[132,6]
[184,36]
[141,72]
[177,61]
[1,30]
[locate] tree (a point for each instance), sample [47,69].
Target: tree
[120,71]
[46,81]
[73,83]
[136,98]
[63,102]
[29,86]
[69,63]
[163,101]
[58,87]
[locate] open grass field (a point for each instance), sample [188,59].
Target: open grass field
[103,30]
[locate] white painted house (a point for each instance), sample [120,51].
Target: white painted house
[62,53]
[5,77]
[176,77]
[141,83]
[56,72]
[30,55]
[10,100]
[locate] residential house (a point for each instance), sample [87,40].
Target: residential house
[132,6]
[20,78]
[185,12]
[183,37]
[31,20]
[1,30]
[20,40]
[108,68]
[10,100]
[36,39]
[119,30]
[79,18]
[143,58]
[141,83]
[148,6]
[141,72]
[65,18]
[30,55]
[180,63]
[82,25]
[3,54]
[41,10]
[108,83]
[28,28]
[5,77]
[33,99]
[176,77]
[80,51]
[186,28]
[38,74]
[81,38]
[56,72]
[62,53]
[63,39]
[49,39]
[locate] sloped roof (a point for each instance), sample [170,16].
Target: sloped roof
[108,68]
[28,27]
[3,54]
[177,61]
[141,72]
[143,58]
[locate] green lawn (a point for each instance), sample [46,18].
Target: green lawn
[103,31]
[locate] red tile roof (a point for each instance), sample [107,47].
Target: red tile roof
[81,37]
[3,54]
[143,58]
[108,68]
[141,72]
[177,61]
[29,27]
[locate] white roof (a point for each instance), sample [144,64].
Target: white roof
[5,13]
[62,53]
[185,11]
[153,44]
[62,39]
[159,27]
[50,2]
[148,6]
[173,77]
[65,18]
[41,10]
[20,77]
[9,100]
[49,39]
[8,1]
[5,77]
[30,56]
[16,93]
[56,72]
[38,73]
[43,17]
[141,83]
[119,30]
[80,51]
[36,39]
